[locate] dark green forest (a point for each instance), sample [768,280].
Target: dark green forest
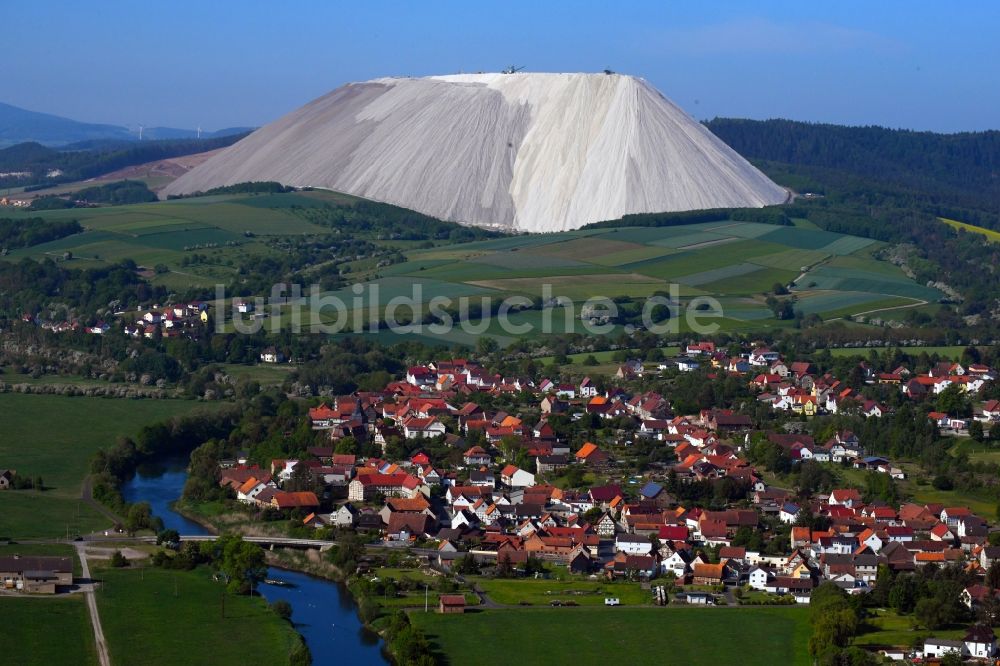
[117,194]
[34,230]
[953,175]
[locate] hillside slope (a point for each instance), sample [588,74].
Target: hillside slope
[19,125]
[538,152]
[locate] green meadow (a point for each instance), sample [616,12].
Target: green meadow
[597,636]
[55,437]
[47,631]
[136,607]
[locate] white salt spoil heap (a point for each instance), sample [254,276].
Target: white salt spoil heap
[537,152]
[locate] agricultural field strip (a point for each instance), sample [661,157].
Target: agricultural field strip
[716,274]
[759,281]
[992,235]
[821,302]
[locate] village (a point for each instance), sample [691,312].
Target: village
[698,523]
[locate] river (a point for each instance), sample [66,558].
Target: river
[322,611]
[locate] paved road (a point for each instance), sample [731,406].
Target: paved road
[87,585]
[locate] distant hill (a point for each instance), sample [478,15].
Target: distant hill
[19,125]
[35,165]
[961,169]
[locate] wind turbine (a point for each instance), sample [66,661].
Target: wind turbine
[199,131]
[140,131]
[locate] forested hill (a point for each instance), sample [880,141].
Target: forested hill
[959,169]
[37,160]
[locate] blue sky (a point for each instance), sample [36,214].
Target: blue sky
[918,65]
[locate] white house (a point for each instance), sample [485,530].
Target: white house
[687,364]
[763,356]
[980,643]
[758,578]
[416,427]
[676,563]
[343,517]
[633,544]
[789,513]
[939,647]
[515,477]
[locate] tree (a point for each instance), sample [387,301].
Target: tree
[368,610]
[988,610]
[932,613]
[993,576]
[243,562]
[943,482]
[118,560]
[834,620]
[347,445]
[534,565]
[952,658]
[504,567]
[903,593]
[282,609]
[139,517]
[466,565]
[833,629]
[952,401]
[976,431]
[486,345]
[170,538]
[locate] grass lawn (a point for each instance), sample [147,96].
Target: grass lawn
[412,598]
[601,636]
[982,506]
[44,631]
[977,452]
[145,623]
[27,514]
[953,352]
[886,627]
[267,374]
[55,437]
[541,592]
[602,357]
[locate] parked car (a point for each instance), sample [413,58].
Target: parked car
[612,601]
